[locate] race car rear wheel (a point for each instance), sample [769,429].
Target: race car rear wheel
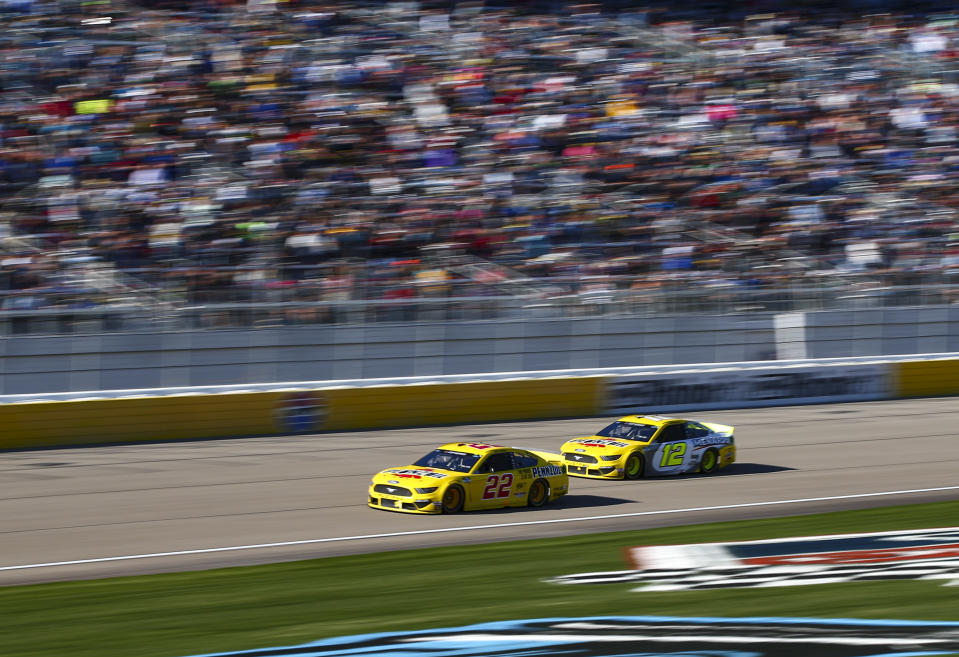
[538,493]
[635,466]
[709,462]
[453,499]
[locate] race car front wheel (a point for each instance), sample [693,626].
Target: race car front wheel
[538,494]
[635,465]
[453,499]
[709,462]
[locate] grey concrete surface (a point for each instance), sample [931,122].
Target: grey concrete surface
[867,332]
[41,364]
[32,364]
[209,504]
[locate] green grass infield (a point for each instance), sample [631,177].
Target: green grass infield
[174,615]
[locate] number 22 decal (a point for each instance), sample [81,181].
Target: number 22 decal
[673,455]
[497,486]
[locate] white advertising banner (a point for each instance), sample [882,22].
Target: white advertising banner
[736,388]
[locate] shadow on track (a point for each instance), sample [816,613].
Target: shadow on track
[739,469]
[750,469]
[733,470]
[574,501]
[569,501]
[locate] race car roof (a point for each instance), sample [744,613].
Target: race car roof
[472,448]
[658,420]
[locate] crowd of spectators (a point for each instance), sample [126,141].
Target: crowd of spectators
[392,149]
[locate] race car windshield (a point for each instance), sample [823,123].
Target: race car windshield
[629,431]
[444,459]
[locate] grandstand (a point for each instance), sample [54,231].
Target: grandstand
[263,163]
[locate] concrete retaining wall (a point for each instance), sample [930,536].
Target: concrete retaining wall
[868,332]
[315,353]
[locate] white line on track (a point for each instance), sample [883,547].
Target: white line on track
[234,548]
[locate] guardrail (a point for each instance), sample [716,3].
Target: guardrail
[692,298]
[126,416]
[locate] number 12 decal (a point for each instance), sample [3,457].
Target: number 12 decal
[673,455]
[497,486]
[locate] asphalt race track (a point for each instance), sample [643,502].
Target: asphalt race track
[120,510]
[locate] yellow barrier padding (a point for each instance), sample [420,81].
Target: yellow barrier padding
[137,419]
[929,378]
[58,423]
[459,403]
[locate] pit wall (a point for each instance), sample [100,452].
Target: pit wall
[130,416]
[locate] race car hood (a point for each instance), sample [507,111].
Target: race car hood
[600,444]
[719,429]
[412,476]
